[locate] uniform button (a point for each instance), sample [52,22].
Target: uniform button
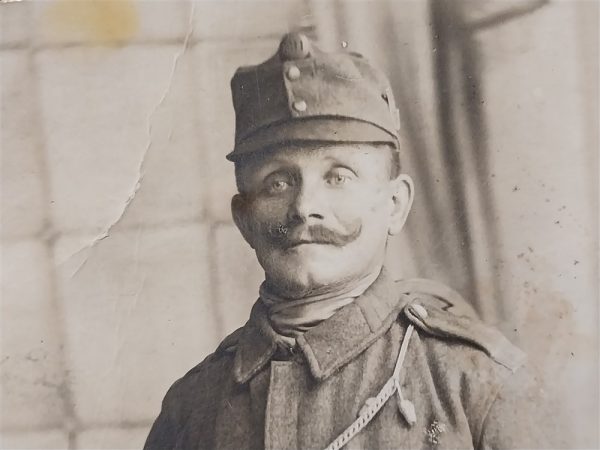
[293,73]
[299,105]
[419,311]
[294,46]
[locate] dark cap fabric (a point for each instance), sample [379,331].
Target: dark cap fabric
[304,94]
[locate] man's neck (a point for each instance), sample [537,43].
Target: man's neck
[292,317]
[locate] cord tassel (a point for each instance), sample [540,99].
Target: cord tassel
[374,404]
[406,407]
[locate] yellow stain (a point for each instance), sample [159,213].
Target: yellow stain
[108,22]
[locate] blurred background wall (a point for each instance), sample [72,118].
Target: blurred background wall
[121,268]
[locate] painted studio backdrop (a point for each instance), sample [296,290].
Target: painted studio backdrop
[121,267]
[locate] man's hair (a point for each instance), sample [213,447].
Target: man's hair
[395,166]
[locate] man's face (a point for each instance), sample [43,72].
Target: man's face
[318,217]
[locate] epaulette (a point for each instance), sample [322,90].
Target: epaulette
[229,344]
[442,312]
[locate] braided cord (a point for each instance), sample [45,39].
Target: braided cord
[373,405]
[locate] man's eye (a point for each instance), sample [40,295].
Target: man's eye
[339,178]
[277,186]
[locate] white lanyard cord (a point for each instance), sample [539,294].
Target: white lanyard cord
[374,404]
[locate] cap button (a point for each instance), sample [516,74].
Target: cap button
[294,46]
[299,105]
[293,73]
[419,311]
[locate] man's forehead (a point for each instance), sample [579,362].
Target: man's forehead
[315,151]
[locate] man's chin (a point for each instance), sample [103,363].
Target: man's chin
[305,253]
[301,277]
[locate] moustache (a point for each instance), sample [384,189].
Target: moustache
[290,235]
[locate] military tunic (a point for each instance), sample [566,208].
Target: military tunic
[470,387]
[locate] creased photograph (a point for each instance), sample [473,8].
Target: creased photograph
[299,224]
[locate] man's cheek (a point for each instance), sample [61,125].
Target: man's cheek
[360,202]
[270,211]
[378,203]
[349,213]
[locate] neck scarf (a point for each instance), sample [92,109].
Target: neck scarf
[291,318]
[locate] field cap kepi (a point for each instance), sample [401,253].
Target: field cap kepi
[303,94]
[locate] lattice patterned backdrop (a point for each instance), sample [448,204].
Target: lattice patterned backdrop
[121,268]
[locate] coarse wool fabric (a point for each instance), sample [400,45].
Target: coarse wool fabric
[466,381]
[343,98]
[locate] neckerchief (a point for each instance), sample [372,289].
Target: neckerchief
[291,318]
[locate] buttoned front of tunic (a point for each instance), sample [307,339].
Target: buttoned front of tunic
[467,383]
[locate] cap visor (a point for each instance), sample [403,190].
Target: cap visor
[329,130]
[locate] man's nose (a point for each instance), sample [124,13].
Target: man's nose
[308,204]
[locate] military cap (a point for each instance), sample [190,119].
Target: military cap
[305,94]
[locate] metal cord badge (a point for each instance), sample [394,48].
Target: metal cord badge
[374,404]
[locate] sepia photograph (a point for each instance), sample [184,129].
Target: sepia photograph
[299,224]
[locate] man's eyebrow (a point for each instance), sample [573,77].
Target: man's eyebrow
[342,163]
[266,168]
[273,162]
[333,158]
[279,160]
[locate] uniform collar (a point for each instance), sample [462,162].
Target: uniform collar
[331,344]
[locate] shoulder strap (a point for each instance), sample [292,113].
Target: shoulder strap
[442,312]
[445,324]
[437,294]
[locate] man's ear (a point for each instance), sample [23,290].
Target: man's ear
[239,212]
[403,190]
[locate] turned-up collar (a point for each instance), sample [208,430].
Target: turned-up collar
[329,345]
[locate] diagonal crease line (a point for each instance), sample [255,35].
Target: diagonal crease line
[499,18]
[136,187]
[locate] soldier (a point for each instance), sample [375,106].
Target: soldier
[335,353]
